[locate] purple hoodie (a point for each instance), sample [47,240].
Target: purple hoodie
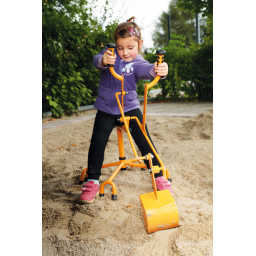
[133,71]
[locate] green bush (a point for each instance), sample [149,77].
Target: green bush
[190,70]
[177,57]
[141,88]
[201,72]
[70,39]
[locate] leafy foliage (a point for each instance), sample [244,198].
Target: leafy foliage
[182,23]
[197,6]
[190,70]
[201,73]
[190,64]
[141,88]
[70,40]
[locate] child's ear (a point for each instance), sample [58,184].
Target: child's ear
[140,44]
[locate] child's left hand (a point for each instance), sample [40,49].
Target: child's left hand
[161,69]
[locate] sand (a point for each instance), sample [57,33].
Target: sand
[108,227]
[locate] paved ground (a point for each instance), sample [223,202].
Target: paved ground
[188,109]
[60,122]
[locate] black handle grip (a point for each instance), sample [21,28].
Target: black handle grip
[160,56]
[111,47]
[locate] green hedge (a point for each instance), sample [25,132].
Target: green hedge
[69,44]
[190,70]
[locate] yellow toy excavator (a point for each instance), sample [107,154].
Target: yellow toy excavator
[158,208]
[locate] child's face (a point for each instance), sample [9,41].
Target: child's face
[128,48]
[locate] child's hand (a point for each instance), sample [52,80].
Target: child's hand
[108,58]
[161,69]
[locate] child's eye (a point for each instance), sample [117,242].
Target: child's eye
[120,48]
[131,48]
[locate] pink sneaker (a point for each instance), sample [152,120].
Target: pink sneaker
[162,184]
[89,191]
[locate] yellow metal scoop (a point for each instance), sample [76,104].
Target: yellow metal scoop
[158,208]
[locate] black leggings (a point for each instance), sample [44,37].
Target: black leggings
[103,126]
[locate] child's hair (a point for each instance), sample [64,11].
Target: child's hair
[128,29]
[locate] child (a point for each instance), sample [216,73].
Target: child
[130,63]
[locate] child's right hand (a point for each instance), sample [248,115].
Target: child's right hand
[108,58]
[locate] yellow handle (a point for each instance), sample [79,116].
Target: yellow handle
[160,59]
[160,56]
[112,50]
[111,47]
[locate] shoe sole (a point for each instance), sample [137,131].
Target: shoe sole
[88,202]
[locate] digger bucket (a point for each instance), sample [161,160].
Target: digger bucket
[159,214]
[159,209]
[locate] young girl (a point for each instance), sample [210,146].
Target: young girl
[130,63]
